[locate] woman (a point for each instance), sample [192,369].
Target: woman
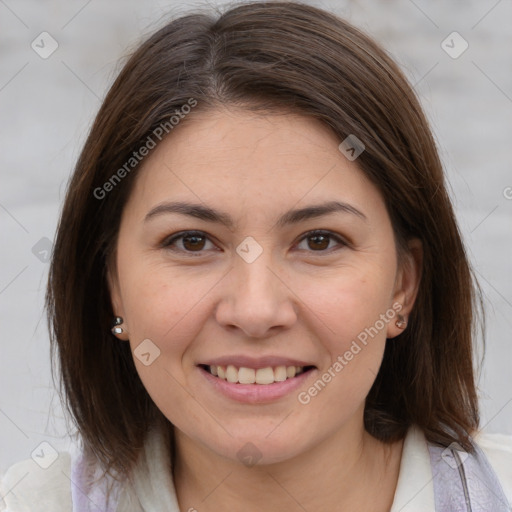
[259,297]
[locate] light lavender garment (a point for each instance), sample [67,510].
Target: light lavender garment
[463,482]
[149,489]
[87,497]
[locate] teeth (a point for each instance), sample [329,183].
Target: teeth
[280,374]
[231,374]
[246,375]
[266,375]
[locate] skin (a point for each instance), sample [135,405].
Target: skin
[294,300]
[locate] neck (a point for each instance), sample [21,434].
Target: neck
[349,471]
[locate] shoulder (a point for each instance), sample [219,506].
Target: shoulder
[415,486]
[28,486]
[498,450]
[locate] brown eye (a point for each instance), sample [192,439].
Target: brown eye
[191,241]
[319,241]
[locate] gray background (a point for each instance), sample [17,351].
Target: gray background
[47,106]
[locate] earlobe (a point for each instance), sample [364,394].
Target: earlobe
[116,327]
[401,323]
[119,328]
[407,286]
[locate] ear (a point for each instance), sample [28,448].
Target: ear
[115,299]
[407,284]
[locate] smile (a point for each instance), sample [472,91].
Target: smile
[263,376]
[261,382]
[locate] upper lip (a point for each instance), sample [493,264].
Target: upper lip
[252,362]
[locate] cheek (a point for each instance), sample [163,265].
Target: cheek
[354,311]
[349,303]
[166,307]
[168,310]
[354,345]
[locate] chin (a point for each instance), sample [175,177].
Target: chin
[259,450]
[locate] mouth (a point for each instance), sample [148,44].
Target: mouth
[255,376]
[254,380]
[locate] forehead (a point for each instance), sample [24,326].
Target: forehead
[248,141]
[236,157]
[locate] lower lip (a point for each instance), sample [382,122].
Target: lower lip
[256,393]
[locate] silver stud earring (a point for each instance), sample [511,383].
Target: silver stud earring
[117,322]
[401,323]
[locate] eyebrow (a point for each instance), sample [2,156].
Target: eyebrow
[208,214]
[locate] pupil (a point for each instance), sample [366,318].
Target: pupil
[323,245]
[194,239]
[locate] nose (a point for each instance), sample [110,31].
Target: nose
[256,299]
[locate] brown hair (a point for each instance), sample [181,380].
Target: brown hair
[276,56]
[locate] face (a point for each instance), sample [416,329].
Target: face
[291,304]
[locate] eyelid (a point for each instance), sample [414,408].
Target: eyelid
[326,232]
[168,240]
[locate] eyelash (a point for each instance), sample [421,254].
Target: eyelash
[169,241]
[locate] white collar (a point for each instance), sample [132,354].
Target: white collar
[415,487]
[154,487]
